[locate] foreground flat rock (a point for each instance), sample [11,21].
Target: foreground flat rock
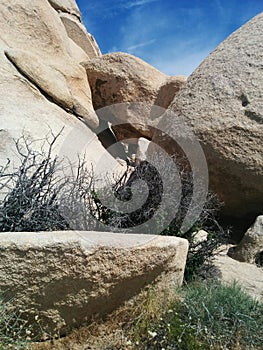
[63,279]
[223,102]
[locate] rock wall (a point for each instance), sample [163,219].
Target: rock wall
[42,85]
[223,102]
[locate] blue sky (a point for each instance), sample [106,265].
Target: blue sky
[172,35]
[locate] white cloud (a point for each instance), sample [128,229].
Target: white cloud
[133,48]
[136,3]
[172,53]
[111,8]
[173,41]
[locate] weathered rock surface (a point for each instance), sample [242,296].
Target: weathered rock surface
[76,52]
[66,278]
[78,33]
[251,246]
[24,111]
[169,89]
[122,78]
[68,6]
[47,78]
[249,276]
[42,88]
[36,43]
[223,102]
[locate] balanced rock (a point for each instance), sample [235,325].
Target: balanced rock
[120,78]
[64,279]
[222,101]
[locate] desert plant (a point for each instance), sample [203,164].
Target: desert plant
[196,316]
[201,253]
[29,193]
[44,194]
[39,196]
[224,315]
[208,316]
[15,332]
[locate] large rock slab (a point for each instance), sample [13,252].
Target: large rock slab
[223,102]
[120,78]
[25,111]
[43,90]
[63,279]
[78,33]
[36,43]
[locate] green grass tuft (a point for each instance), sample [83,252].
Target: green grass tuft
[208,316]
[15,333]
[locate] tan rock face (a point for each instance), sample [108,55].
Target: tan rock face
[47,78]
[223,102]
[25,111]
[250,249]
[41,86]
[249,276]
[78,33]
[120,77]
[141,152]
[123,78]
[66,278]
[68,6]
[76,52]
[36,42]
[168,90]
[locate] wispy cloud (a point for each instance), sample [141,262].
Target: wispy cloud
[174,36]
[136,3]
[171,52]
[110,7]
[132,48]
